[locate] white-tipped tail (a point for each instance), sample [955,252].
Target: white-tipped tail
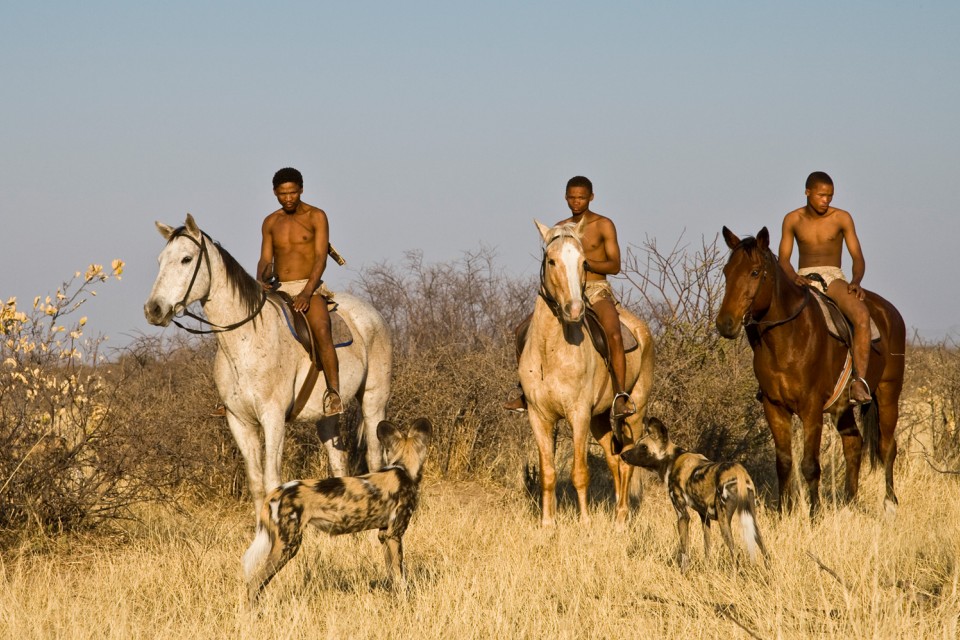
[749,529]
[257,553]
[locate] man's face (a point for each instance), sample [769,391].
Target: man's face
[578,199]
[819,197]
[288,195]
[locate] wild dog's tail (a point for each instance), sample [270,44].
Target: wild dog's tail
[259,549]
[744,506]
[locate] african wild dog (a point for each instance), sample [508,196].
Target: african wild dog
[715,490]
[383,500]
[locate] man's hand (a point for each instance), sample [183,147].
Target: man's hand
[855,289]
[803,281]
[302,302]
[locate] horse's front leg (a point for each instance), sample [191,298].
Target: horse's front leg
[247,438]
[580,474]
[812,419]
[543,434]
[274,424]
[620,471]
[779,420]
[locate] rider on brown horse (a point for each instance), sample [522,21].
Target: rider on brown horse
[820,232]
[602,252]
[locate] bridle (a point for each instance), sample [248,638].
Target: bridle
[762,325]
[551,302]
[205,257]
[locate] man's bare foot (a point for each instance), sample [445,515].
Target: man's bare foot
[517,405]
[859,392]
[219,411]
[622,407]
[332,404]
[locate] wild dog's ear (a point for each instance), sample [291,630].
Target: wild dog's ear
[165,230]
[387,433]
[657,429]
[422,429]
[731,240]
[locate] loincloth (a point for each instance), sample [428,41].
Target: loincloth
[829,274]
[596,290]
[294,287]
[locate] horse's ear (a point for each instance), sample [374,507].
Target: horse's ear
[165,230]
[763,239]
[731,239]
[191,226]
[544,229]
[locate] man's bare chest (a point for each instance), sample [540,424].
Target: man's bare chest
[818,234]
[290,231]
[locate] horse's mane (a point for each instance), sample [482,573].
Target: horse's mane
[565,230]
[245,286]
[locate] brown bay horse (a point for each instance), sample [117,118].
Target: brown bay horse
[798,363]
[563,375]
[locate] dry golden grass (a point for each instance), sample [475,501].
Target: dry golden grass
[480,566]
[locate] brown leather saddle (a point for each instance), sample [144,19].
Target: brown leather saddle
[837,324]
[597,336]
[300,328]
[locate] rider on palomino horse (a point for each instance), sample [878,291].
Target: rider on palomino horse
[602,251]
[294,250]
[820,231]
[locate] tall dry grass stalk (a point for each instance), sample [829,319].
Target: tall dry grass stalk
[479,566]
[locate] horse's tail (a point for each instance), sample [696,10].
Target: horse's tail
[870,422]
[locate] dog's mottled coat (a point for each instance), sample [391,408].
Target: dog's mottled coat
[715,490]
[383,500]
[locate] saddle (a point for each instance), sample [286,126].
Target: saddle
[599,337]
[837,324]
[300,328]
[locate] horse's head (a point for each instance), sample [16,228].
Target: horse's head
[748,273]
[181,281]
[563,272]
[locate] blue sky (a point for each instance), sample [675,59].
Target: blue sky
[444,126]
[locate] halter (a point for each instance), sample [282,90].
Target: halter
[215,328]
[761,325]
[552,304]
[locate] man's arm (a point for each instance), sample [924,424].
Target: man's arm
[610,266]
[786,250]
[856,255]
[266,250]
[321,242]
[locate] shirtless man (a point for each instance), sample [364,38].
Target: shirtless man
[820,231]
[602,252]
[294,249]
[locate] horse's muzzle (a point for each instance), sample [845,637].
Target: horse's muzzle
[573,311]
[157,314]
[727,326]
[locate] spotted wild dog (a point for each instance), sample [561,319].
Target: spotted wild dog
[383,500]
[715,490]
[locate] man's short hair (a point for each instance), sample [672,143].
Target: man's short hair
[818,177]
[287,174]
[580,181]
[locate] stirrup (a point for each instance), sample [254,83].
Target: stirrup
[631,406]
[869,393]
[332,403]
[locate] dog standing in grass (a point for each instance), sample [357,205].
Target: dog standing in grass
[715,490]
[383,500]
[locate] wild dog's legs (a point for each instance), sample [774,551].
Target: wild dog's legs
[393,557]
[543,434]
[683,528]
[725,513]
[279,555]
[852,451]
[705,522]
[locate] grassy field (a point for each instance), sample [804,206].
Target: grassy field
[479,566]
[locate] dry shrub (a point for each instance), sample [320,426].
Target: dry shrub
[930,404]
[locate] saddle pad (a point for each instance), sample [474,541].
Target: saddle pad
[833,315]
[595,330]
[339,331]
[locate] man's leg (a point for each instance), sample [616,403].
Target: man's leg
[319,319]
[859,315]
[606,311]
[519,404]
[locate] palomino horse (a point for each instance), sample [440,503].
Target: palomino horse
[563,376]
[260,366]
[798,365]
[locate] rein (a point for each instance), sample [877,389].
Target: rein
[215,328]
[761,325]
